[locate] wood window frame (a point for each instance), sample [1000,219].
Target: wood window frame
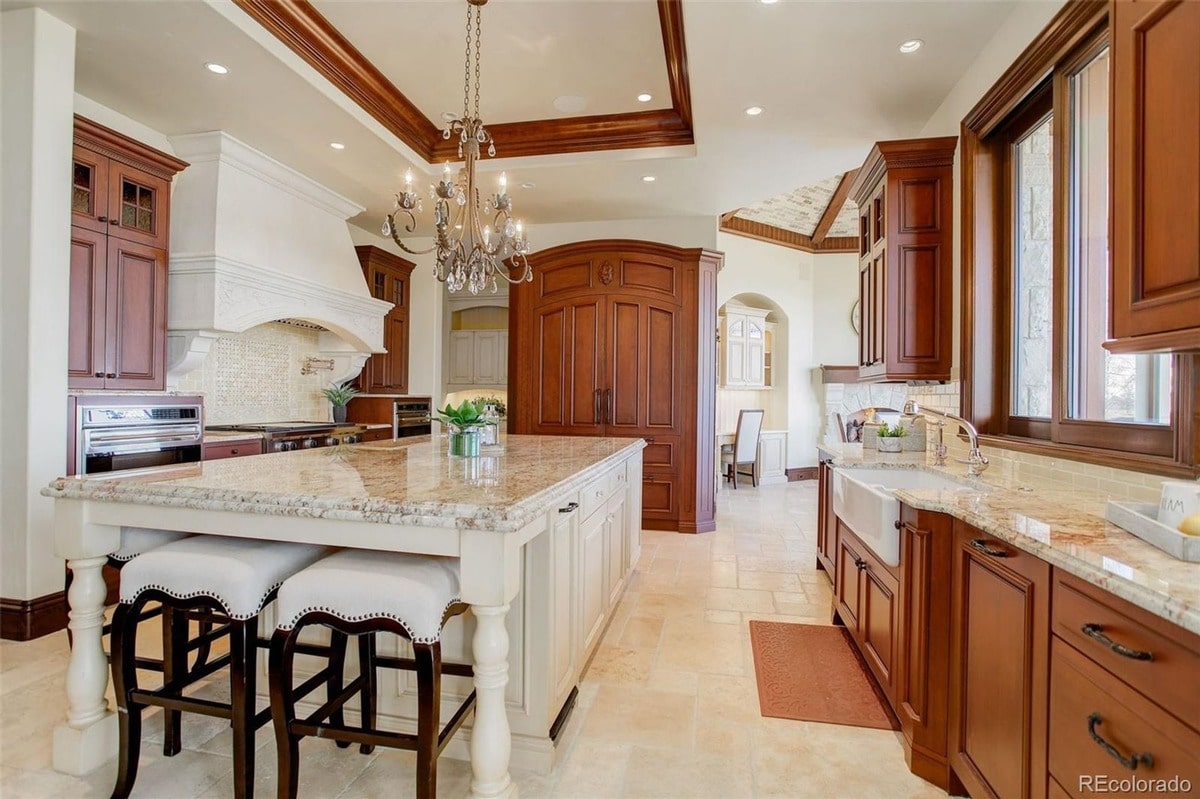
[1075,35]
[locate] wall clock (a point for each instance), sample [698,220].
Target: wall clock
[856,317]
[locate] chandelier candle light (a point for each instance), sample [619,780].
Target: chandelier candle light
[469,252]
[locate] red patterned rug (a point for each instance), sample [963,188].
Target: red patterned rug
[810,672]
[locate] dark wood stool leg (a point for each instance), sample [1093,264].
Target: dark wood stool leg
[333,686]
[283,710]
[243,639]
[202,651]
[175,638]
[129,714]
[429,689]
[366,665]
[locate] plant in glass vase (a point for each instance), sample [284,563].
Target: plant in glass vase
[463,427]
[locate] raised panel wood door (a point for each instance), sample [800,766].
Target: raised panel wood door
[1000,666]
[89,285]
[568,355]
[387,279]
[847,583]
[136,316]
[878,623]
[640,398]
[1156,171]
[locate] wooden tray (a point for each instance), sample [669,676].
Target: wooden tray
[1141,519]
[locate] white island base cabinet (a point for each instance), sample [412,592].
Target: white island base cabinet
[571,581]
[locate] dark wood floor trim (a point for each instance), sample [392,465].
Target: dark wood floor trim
[802,473]
[299,25]
[26,619]
[786,238]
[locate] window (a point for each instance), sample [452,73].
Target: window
[1036,259]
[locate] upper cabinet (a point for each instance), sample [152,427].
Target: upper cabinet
[120,219]
[745,347]
[387,278]
[477,351]
[904,193]
[1155,202]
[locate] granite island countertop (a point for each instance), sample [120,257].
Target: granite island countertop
[1064,527]
[408,481]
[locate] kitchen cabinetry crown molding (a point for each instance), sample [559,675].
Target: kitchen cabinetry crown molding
[110,144]
[218,146]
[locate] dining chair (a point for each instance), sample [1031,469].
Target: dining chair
[744,449]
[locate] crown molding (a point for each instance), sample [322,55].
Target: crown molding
[299,26]
[109,143]
[761,231]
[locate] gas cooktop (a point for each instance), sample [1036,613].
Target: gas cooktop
[274,427]
[287,436]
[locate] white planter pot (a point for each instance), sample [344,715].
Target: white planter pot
[887,444]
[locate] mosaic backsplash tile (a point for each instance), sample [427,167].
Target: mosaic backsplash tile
[255,377]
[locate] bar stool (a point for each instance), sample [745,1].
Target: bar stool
[361,593]
[237,577]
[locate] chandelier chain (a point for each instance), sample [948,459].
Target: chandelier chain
[478,51]
[467,67]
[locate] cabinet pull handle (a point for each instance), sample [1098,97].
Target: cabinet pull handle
[571,506]
[1096,631]
[596,408]
[608,406]
[649,439]
[826,461]
[1130,762]
[982,546]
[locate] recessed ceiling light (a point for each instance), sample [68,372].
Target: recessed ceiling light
[217,69]
[645,98]
[528,185]
[911,46]
[754,111]
[768,2]
[648,178]
[337,145]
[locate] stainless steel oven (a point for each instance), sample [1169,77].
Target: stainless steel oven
[114,433]
[412,417]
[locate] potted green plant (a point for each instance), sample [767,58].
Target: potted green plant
[889,437]
[463,427]
[339,395]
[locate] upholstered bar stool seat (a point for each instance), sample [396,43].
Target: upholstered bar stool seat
[136,540]
[236,577]
[361,593]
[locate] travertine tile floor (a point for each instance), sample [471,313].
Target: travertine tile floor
[668,706]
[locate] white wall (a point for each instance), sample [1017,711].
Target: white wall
[37,81]
[835,290]
[111,118]
[684,231]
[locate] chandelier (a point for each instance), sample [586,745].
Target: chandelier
[469,250]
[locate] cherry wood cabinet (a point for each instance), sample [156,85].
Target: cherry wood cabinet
[618,338]
[120,197]
[865,592]
[1155,202]
[826,518]
[1000,619]
[388,279]
[904,193]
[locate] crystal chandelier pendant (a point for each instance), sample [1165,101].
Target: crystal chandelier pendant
[472,237]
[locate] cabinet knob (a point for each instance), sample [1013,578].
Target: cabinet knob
[99,374]
[233,452]
[111,375]
[102,218]
[114,222]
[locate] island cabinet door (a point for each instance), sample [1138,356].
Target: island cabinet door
[826,520]
[564,632]
[1000,611]
[878,621]
[615,531]
[592,578]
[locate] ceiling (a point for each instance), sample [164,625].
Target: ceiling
[800,210]
[828,75]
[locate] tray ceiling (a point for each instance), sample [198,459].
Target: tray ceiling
[800,210]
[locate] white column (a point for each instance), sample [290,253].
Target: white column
[37,81]
[491,738]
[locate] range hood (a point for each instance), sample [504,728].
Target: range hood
[254,241]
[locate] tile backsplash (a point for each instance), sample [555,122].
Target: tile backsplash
[254,376]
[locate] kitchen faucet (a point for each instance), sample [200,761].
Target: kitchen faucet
[975,460]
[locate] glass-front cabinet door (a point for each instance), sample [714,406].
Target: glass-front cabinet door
[89,190]
[137,203]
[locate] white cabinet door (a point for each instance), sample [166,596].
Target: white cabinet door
[502,360]
[487,357]
[755,359]
[462,357]
[615,533]
[564,634]
[591,578]
[772,457]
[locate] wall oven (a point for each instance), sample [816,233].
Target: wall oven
[412,417]
[114,433]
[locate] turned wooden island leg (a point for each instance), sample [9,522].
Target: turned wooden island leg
[491,739]
[88,738]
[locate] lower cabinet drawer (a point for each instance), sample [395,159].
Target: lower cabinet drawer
[1101,730]
[237,449]
[378,434]
[593,497]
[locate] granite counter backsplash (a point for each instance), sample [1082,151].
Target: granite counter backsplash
[1065,527]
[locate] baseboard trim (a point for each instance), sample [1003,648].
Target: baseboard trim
[26,619]
[802,473]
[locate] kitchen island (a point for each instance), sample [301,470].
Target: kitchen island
[548,524]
